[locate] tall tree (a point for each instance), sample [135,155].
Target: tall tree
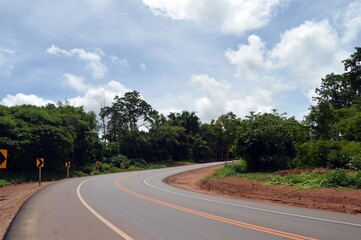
[337,93]
[127,116]
[343,90]
[127,113]
[227,125]
[267,141]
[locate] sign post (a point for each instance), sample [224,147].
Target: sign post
[40,164]
[3,158]
[97,165]
[67,165]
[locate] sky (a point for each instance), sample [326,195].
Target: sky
[205,56]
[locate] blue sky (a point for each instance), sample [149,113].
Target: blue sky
[207,56]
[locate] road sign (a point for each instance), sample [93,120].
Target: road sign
[3,158]
[67,164]
[97,164]
[40,162]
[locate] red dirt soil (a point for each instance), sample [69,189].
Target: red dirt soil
[338,200]
[11,199]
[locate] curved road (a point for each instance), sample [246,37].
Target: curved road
[138,205]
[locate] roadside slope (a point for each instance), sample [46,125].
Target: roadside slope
[338,200]
[11,199]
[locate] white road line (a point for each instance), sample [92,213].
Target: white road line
[100,217]
[247,207]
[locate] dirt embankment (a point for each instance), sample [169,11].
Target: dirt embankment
[338,200]
[11,199]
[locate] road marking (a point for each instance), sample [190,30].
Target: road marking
[213,217]
[248,207]
[100,217]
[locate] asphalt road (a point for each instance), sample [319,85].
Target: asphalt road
[138,205]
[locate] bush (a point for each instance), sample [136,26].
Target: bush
[337,178]
[120,161]
[138,162]
[108,168]
[341,178]
[232,169]
[330,154]
[240,167]
[358,180]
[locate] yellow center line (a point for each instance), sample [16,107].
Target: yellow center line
[213,217]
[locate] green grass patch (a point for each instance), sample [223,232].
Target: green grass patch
[231,169]
[307,179]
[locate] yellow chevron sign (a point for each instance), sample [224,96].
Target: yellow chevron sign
[40,162]
[3,158]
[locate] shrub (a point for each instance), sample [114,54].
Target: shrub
[138,162]
[120,161]
[232,169]
[330,154]
[337,178]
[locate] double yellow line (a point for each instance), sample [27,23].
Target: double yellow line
[213,217]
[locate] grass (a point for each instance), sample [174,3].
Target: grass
[307,179]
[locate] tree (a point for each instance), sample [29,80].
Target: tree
[127,114]
[337,93]
[267,141]
[322,121]
[190,122]
[170,135]
[227,125]
[55,133]
[353,71]
[128,118]
[343,90]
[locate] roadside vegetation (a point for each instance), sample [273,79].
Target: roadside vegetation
[9,177]
[131,135]
[302,178]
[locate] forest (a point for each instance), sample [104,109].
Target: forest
[130,132]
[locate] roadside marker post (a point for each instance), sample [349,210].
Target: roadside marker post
[97,165]
[67,165]
[40,164]
[3,158]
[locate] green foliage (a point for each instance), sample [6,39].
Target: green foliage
[232,169]
[337,115]
[268,141]
[337,178]
[120,161]
[307,179]
[55,133]
[108,168]
[330,154]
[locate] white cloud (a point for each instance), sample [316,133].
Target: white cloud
[249,58]
[217,98]
[93,60]
[93,99]
[119,62]
[143,66]
[352,22]
[20,99]
[97,96]
[167,111]
[300,59]
[309,52]
[209,85]
[78,83]
[231,16]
